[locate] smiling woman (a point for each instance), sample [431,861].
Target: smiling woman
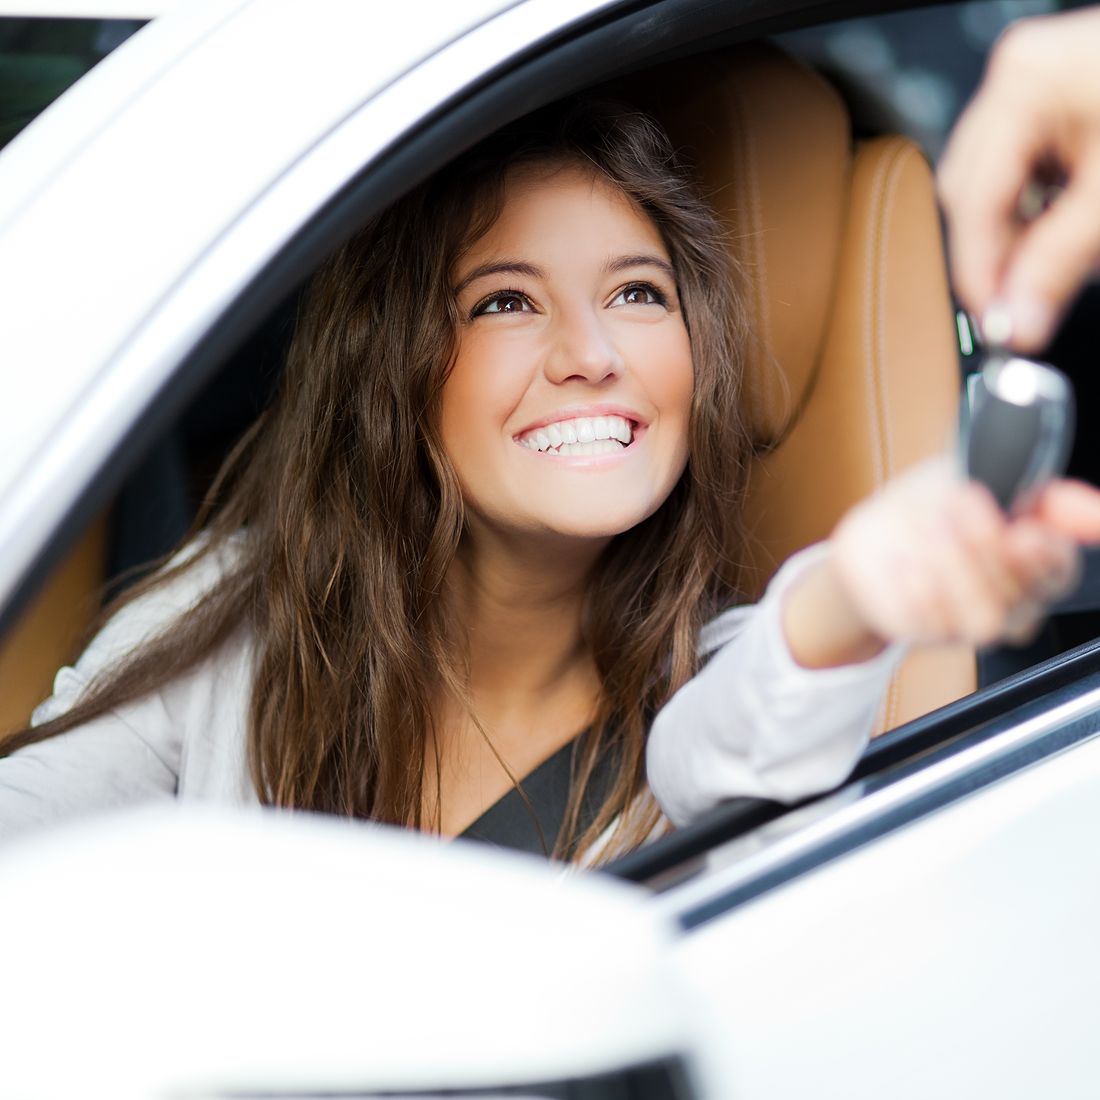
[394,609]
[566,410]
[565,418]
[484,547]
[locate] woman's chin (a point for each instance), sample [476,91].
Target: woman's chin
[593,525]
[563,521]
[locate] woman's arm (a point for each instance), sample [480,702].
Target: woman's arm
[185,737]
[932,559]
[119,759]
[755,722]
[786,707]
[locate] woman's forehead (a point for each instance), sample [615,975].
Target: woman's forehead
[548,201]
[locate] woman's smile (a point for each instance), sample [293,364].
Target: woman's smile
[567,408]
[583,434]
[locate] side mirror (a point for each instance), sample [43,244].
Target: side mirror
[198,953]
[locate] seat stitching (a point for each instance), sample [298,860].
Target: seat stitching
[904,153]
[872,291]
[896,163]
[872,348]
[744,138]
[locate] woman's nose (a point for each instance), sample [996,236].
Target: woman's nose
[583,349]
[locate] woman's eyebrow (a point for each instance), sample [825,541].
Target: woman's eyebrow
[641,260]
[501,267]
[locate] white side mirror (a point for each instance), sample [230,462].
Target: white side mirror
[193,953]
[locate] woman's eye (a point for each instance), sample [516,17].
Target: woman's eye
[507,301]
[639,294]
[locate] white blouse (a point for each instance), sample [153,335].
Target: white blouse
[752,722]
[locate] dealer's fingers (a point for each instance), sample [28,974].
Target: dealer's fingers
[988,161]
[1038,109]
[1052,258]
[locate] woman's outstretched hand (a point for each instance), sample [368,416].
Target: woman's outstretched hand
[930,559]
[1036,114]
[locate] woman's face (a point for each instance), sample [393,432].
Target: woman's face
[566,412]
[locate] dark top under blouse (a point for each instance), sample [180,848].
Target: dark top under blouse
[509,822]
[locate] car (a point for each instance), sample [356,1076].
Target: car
[925,929]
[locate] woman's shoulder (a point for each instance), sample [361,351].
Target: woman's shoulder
[187,577]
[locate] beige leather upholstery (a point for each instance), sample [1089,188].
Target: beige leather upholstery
[44,637]
[855,376]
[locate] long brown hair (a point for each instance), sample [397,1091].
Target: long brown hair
[344,514]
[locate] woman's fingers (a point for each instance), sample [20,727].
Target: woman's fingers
[1045,561]
[931,559]
[984,584]
[1048,566]
[1071,507]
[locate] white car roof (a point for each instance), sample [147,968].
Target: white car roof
[89,9]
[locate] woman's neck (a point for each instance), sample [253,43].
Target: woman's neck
[532,683]
[520,604]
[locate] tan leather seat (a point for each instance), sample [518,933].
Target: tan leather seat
[855,376]
[45,636]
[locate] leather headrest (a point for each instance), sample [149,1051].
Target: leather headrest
[770,142]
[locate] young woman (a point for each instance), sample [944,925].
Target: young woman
[488,533]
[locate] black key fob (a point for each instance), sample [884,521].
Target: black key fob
[1017,428]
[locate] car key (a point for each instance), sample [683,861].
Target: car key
[1017,431]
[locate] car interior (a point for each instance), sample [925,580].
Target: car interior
[856,373]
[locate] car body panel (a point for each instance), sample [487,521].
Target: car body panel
[954,957]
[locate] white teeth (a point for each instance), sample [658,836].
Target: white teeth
[581,431]
[597,447]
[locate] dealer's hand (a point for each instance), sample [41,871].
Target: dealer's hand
[1037,112]
[932,559]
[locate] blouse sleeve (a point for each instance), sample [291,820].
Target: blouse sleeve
[126,756]
[754,722]
[120,759]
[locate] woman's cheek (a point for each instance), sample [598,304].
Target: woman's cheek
[669,377]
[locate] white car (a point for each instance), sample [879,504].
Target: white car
[926,930]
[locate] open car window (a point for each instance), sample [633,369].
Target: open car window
[895,80]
